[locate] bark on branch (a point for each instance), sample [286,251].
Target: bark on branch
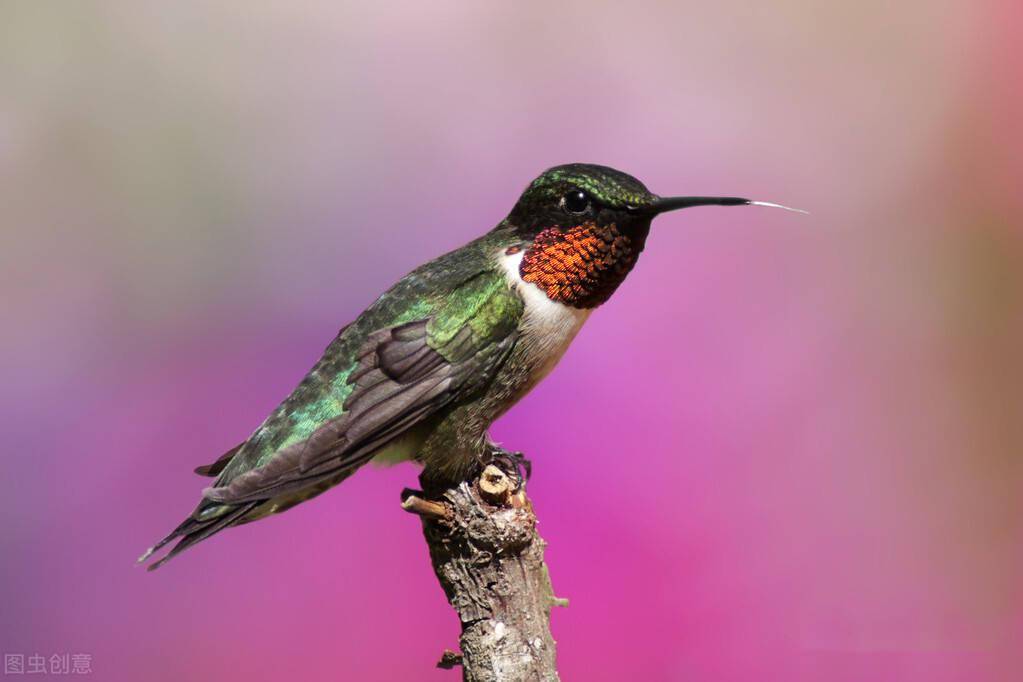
[488,558]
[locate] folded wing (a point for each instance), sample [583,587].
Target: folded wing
[404,375]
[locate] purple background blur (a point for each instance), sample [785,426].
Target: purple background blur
[790,448]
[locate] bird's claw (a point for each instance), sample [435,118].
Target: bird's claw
[514,464]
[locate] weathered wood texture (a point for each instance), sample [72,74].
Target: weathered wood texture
[488,558]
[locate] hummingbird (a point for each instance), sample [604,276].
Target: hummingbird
[422,373]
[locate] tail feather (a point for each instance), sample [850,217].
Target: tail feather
[192,531]
[177,532]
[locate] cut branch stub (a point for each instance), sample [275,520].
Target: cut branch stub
[495,485]
[449,659]
[413,503]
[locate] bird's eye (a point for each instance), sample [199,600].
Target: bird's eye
[576,201]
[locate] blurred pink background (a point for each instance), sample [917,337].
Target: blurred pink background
[790,448]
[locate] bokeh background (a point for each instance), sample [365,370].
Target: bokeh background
[790,448]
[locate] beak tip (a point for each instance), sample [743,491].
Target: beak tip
[768,204]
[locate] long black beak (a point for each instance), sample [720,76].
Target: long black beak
[664,204]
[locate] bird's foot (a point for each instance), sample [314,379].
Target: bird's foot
[514,464]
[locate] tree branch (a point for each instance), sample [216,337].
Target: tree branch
[488,558]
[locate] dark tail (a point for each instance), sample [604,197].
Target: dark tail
[192,531]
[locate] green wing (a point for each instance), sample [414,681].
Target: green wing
[436,338]
[400,375]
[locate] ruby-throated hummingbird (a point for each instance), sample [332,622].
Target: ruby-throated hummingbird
[423,372]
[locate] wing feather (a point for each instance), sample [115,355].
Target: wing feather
[436,337]
[400,380]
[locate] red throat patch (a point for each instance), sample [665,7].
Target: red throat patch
[581,266]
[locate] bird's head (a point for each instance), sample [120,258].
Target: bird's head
[583,226]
